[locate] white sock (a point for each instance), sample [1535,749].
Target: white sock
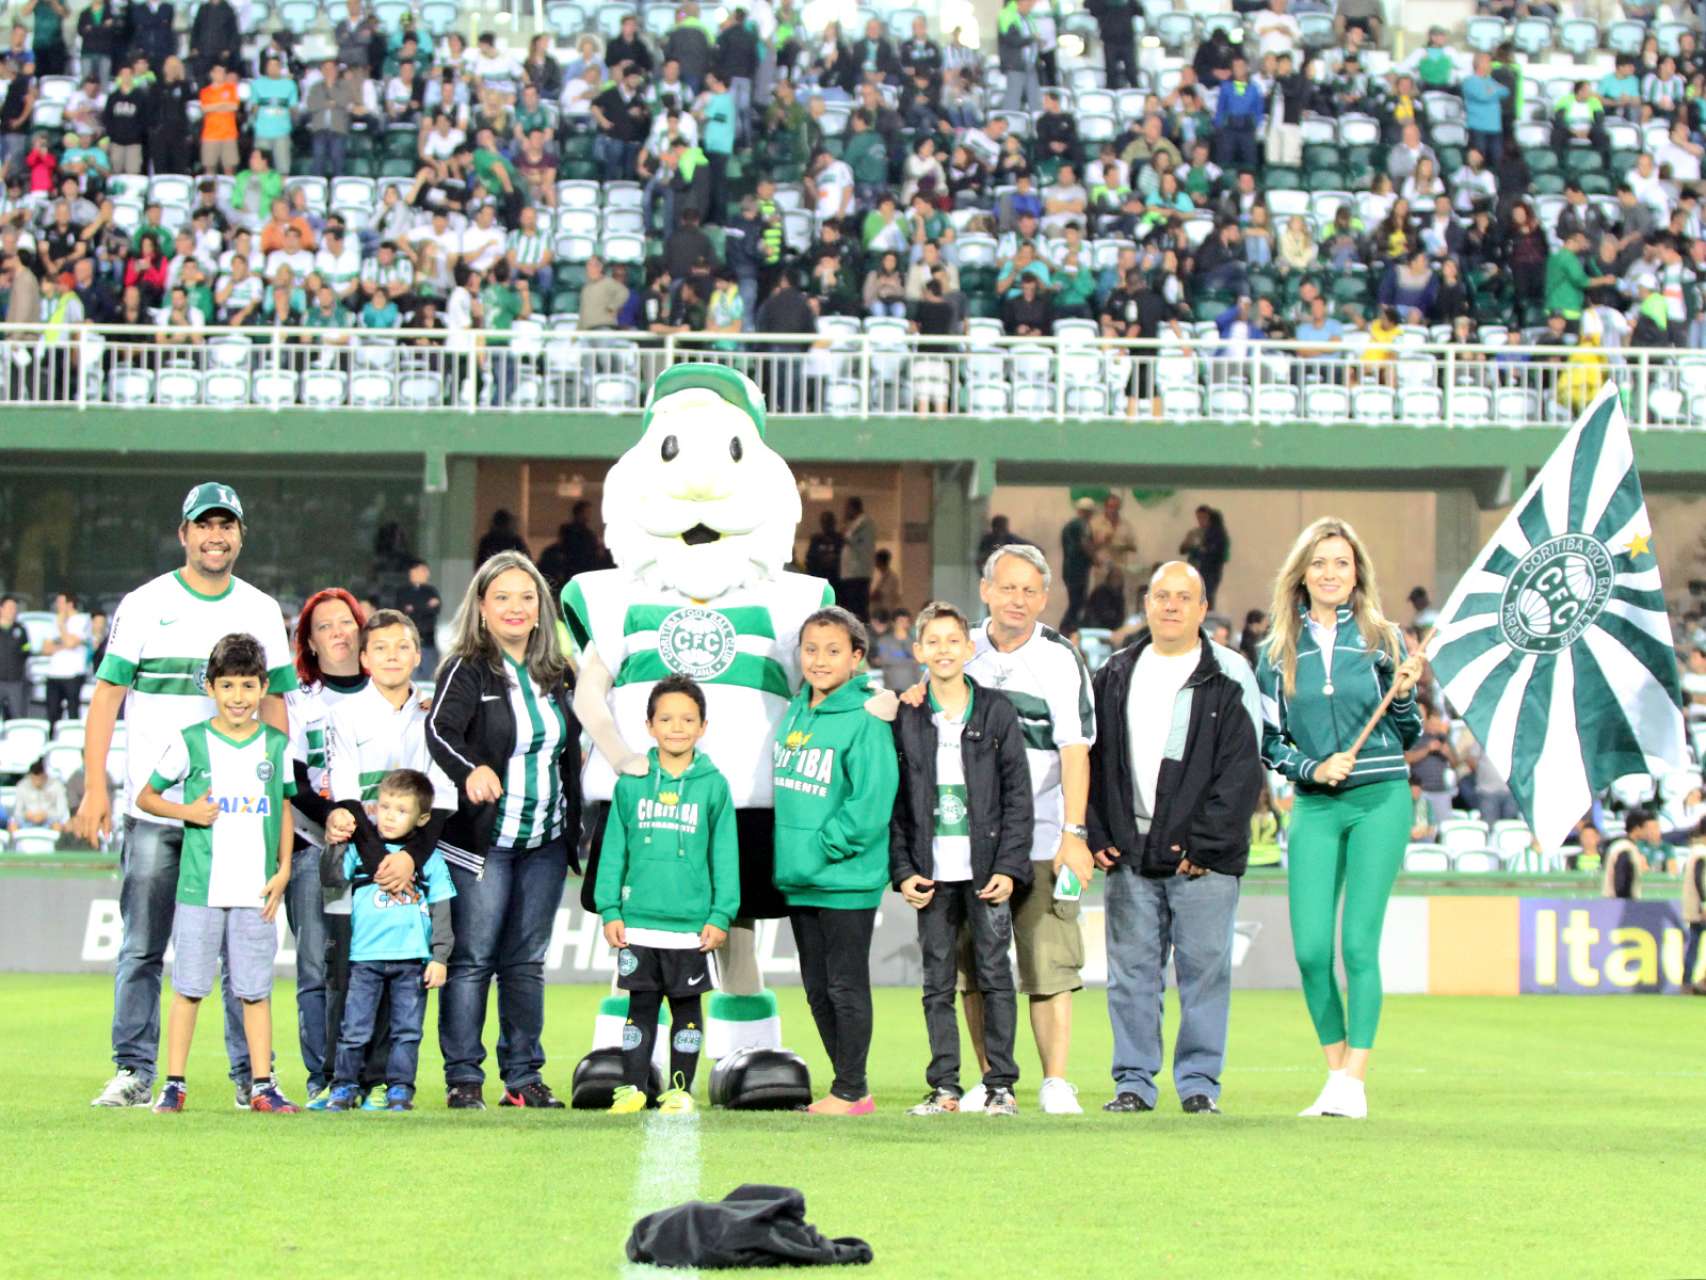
[1352,1083]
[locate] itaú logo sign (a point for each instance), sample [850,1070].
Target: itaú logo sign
[1607,946]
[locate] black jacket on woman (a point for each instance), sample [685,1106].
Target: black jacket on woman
[998,791]
[1204,799]
[471,724]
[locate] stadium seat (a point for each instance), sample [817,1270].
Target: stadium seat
[615,392]
[35,840]
[1484,34]
[1633,790]
[624,248]
[224,389]
[178,388]
[1532,36]
[371,390]
[1426,859]
[323,388]
[421,391]
[1462,833]
[1482,861]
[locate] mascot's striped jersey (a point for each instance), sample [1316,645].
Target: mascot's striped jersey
[743,648]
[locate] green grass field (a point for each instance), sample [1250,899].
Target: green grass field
[1542,1136]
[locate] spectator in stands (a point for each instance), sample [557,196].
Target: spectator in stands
[1220,262]
[220,110]
[1431,762]
[875,55]
[100,40]
[1115,23]
[1424,827]
[623,122]
[1238,115]
[736,61]
[885,287]
[329,108]
[688,45]
[823,550]
[1018,50]
[40,800]
[1640,849]
[1620,89]
[215,38]
[1410,287]
[14,655]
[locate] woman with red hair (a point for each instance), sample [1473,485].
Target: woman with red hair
[328,661]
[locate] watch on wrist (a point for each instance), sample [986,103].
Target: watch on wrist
[1073,829]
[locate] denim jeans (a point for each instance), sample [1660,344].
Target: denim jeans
[1192,917]
[304,903]
[615,157]
[147,901]
[740,89]
[503,919]
[369,981]
[328,153]
[336,964]
[991,930]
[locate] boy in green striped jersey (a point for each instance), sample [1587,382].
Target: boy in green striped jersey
[235,863]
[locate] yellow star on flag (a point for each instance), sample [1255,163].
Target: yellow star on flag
[1638,545]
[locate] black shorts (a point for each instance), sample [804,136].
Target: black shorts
[673,971]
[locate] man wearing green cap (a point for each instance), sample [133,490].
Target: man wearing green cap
[157,651]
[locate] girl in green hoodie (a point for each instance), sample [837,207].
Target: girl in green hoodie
[668,885]
[835,779]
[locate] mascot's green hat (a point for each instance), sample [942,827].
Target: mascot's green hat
[720,380]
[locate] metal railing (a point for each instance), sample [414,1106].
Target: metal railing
[847,371]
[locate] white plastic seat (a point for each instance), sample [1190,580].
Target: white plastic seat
[323,388]
[274,388]
[1463,833]
[1426,859]
[1511,837]
[178,388]
[612,392]
[225,389]
[371,390]
[1477,861]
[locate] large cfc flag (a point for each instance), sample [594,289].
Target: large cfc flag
[1555,648]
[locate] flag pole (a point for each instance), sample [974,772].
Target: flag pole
[1385,704]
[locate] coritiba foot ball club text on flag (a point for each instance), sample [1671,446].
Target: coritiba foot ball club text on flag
[1555,648]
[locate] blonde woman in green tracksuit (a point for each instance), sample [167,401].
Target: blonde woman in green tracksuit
[835,781]
[1328,661]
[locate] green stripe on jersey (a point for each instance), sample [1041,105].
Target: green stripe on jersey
[116,670]
[575,614]
[370,780]
[1034,720]
[747,670]
[748,620]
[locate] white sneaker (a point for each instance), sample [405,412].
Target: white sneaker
[1058,1098]
[125,1089]
[974,1098]
[1350,1101]
[1324,1098]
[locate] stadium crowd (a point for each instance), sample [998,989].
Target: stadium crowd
[1282,176]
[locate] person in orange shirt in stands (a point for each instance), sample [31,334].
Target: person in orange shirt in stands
[219,107]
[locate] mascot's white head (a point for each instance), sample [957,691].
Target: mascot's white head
[701,504]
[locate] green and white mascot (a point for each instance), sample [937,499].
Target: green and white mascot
[700,518]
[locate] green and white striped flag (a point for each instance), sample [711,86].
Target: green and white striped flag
[1555,648]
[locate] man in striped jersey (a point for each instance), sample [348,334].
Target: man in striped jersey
[380,728]
[700,515]
[157,651]
[328,663]
[388,273]
[529,255]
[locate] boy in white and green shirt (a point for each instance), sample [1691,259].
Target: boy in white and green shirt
[234,778]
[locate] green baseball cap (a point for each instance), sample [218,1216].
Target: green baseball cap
[210,495]
[726,383]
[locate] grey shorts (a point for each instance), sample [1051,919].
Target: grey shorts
[202,935]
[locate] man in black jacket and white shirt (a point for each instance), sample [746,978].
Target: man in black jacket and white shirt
[1175,772]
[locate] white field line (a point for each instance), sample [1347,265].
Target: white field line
[667,1174]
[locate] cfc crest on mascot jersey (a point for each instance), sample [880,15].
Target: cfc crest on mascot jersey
[700,517]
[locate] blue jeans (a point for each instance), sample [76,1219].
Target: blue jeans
[328,154]
[1193,918]
[503,919]
[304,904]
[615,157]
[369,981]
[147,902]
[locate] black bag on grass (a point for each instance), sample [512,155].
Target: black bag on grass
[752,1226]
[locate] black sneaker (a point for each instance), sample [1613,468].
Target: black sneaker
[245,1092]
[537,1094]
[1200,1104]
[1127,1102]
[465,1097]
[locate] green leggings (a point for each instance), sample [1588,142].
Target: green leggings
[1351,843]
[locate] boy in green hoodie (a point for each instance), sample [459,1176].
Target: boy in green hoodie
[668,885]
[835,779]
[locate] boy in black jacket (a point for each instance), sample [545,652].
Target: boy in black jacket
[959,848]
